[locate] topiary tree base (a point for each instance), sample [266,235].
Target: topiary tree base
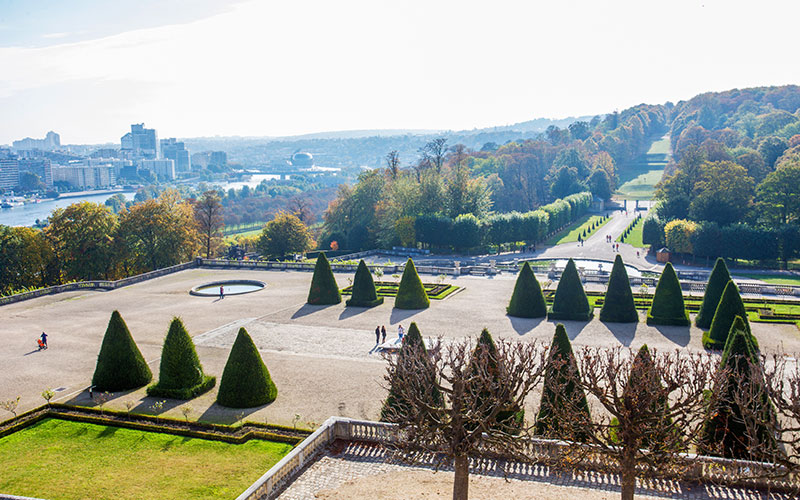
[361,303]
[206,385]
[655,320]
[713,345]
[569,316]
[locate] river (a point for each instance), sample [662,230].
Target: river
[26,215]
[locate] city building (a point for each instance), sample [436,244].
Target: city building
[302,160]
[173,150]
[38,166]
[140,142]
[51,142]
[9,173]
[163,169]
[208,158]
[84,176]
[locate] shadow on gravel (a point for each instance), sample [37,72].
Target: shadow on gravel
[524,325]
[399,315]
[223,415]
[351,311]
[624,332]
[678,334]
[307,309]
[573,328]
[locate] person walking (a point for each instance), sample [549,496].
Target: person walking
[400,332]
[377,335]
[221,292]
[383,334]
[44,339]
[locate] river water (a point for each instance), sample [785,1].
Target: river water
[26,215]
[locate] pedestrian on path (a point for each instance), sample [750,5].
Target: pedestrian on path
[383,334]
[44,340]
[221,292]
[377,335]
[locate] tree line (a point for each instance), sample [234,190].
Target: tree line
[87,241]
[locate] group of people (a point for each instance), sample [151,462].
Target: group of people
[380,333]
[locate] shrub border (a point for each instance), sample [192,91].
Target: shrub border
[232,434]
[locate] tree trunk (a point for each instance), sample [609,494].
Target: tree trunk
[628,477]
[461,481]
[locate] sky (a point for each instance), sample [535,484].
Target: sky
[87,69]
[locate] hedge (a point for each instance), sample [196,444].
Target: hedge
[466,231]
[527,301]
[668,307]
[561,389]
[717,281]
[324,289]
[120,365]
[510,417]
[411,294]
[245,381]
[364,293]
[730,306]
[570,302]
[180,375]
[724,433]
[618,305]
[395,408]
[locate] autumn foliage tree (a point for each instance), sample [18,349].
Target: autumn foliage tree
[283,235]
[208,214]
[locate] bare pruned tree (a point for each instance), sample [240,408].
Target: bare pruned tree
[301,208]
[393,163]
[769,407]
[434,153]
[647,410]
[208,215]
[463,401]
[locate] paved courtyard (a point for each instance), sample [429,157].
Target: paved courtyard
[358,471]
[322,358]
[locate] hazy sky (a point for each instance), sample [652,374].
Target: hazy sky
[89,68]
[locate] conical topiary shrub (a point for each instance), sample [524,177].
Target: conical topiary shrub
[668,307]
[484,362]
[324,289]
[570,302]
[618,305]
[395,407]
[527,301]
[561,393]
[180,375]
[363,291]
[725,432]
[245,382]
[730,306]
[717,281]
[411,294]
[120,365]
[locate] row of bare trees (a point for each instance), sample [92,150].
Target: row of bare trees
[636,414]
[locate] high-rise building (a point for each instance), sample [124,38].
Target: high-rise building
[219,158]
[173,150]
[38,166]
[9,173]
[163,169]
[51,142]
[140,142]
[84,176]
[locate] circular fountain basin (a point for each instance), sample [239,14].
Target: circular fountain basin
[230,287]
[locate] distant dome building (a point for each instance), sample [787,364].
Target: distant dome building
[302,160]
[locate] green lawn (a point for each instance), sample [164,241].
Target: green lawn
[770,278]
[571,232]
[635,236]
[232,237]
[638,180]
[58,460]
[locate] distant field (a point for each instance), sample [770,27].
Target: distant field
[639,179]
[71,460]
